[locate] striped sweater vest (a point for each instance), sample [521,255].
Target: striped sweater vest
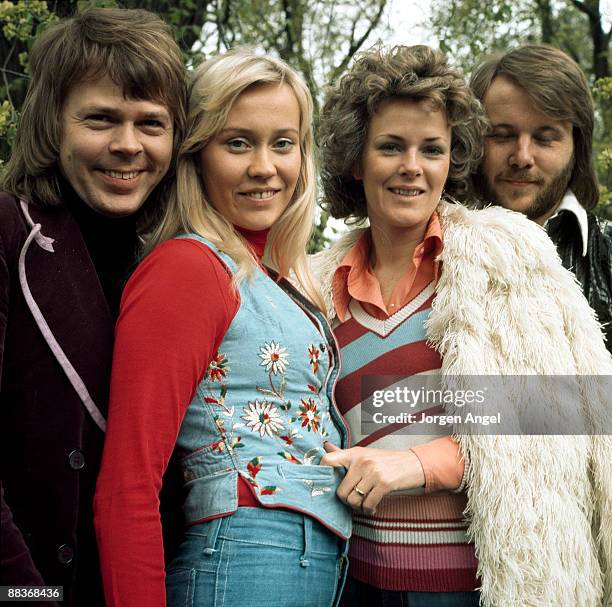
[414,542]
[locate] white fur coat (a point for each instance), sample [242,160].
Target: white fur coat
[539,507]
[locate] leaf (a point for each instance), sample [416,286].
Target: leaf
[266,391]
[313,389]
[285,406]
[269,490]
[210,400]
[311,455]
[289,457]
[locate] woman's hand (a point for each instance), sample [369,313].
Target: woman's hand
[373,473]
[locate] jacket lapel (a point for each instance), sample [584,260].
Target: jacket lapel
[65,288]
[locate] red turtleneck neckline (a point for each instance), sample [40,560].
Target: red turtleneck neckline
[256,238]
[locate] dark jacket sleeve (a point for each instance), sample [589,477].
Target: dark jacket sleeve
[16,565]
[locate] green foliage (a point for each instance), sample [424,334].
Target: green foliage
[318,37]
[602,93]
[20,22]
[469,29]
[19,19]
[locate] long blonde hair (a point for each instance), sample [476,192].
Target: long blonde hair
[216,85]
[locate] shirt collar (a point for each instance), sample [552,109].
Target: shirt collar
[357,261]
[570,203]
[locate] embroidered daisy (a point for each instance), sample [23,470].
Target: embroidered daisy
[273,357]
[313,354]
[309,415]
[217,368]
[262,417]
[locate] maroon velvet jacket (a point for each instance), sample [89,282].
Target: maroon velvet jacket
[50,445]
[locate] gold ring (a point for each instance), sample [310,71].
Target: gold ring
[358,491]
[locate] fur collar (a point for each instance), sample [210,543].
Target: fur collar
[504,305]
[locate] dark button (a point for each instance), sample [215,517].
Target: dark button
[65,554]
[322,347]
[76,460]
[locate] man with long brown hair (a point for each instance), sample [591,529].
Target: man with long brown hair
[539,159]
[104,111]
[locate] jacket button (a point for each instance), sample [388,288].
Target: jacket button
[76,460]
[65,554]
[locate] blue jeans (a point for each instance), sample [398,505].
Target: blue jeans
[358,594]
[259,557]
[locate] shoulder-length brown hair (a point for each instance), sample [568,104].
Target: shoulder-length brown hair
[558,88]
[406,72]
[134,47]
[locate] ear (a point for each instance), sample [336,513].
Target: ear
[357,172]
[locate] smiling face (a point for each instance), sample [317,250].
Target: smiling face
[404,165]
[251,167]
[114,151]
[529,157]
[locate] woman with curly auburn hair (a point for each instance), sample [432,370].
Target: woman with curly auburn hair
[221,363]
[428,295]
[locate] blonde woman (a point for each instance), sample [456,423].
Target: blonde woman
[220,361]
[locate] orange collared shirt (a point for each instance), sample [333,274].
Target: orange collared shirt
[355,279]
[441,458]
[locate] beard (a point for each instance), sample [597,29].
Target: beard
[544,201]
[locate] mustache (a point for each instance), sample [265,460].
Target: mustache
[521,175]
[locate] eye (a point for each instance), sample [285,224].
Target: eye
[284,145]
[153,124]
[389,148]
[500,136]
[99,119]
[545,140]
[237,145]
[434,150]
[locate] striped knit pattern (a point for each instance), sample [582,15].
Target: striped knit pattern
[414,542]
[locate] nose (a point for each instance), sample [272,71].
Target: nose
[410,165]
[262,164]
[126,140]
[522,153]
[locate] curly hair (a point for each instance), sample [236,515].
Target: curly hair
[415,73]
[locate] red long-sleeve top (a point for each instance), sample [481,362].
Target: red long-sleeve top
[175,311]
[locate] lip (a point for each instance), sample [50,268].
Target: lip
[415,191]
[260,195]
[118,183]
[519,183]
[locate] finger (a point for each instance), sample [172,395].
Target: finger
[372,499]
[352,478]
[359,494]
[354,500]
[330,447]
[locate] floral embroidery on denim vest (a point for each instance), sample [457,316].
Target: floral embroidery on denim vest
[264,409]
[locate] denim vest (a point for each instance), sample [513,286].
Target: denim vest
[264,409]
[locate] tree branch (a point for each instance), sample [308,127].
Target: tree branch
[356,45]
[584,8]
[4,72]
